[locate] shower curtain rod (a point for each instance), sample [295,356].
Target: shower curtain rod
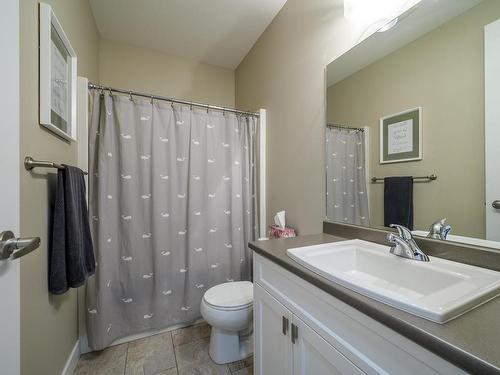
[344,127]
[172,100]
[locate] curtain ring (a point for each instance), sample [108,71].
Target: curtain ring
[190,106]
[172,104]
[152,99]
[208,108]
[130,95]
[110,92]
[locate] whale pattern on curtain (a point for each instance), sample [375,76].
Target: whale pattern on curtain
[172,207]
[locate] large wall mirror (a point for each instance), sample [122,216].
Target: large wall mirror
[413,124]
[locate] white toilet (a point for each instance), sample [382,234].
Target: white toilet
[228,308]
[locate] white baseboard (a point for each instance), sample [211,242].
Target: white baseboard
[72,361]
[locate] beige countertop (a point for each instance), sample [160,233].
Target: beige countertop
[471,341]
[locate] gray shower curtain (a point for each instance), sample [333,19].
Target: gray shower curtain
[172,208]
[346,190]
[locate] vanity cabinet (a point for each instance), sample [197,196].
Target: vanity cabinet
[313,355]
[302,330]
[273,350]
[285,352]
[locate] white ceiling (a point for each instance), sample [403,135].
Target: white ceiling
[217,32]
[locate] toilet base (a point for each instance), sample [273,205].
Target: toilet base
[229,346]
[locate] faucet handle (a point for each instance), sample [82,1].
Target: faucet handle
[438,224]
[404,232]
[392,238]
[439,229]
[399,246]
[446,231]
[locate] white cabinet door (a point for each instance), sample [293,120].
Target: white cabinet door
[273,347]
[313,355]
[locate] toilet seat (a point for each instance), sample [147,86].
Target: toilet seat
[234,308]
[235,295]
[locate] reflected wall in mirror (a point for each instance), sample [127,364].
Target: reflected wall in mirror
[435,58]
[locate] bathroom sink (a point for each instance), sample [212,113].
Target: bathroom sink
[439,290]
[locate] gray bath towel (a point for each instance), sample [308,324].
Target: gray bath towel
[71,254]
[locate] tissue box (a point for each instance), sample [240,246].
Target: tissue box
[277,232]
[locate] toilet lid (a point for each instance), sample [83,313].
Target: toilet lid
[227,295]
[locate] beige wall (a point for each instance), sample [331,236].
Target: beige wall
[48,323]
[443,73]
[149,71]
[284,72]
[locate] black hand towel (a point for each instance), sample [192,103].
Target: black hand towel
[398,201]
[71,254]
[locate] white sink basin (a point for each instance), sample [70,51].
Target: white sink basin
[439,290]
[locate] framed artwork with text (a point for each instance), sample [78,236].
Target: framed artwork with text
[401,137]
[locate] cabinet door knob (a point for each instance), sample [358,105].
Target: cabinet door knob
[496,205]
[284,325]
[295,333]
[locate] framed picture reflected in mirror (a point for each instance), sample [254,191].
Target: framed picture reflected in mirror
[401,137]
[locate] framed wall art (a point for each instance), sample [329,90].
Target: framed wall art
[401,137]
[57,61]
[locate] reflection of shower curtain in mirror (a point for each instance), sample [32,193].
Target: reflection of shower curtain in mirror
[346,190]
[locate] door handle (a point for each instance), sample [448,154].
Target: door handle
[16,247]
[496,205]
[295,333]
[284,325]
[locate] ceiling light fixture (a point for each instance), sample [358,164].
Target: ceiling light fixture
[383,11]
[389,25]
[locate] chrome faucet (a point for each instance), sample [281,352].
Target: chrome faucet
[439,230]
[404,245]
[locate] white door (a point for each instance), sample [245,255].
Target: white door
[313,355]
[9,183]
[272,321]
[492,128]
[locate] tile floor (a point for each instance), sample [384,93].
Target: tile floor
[180,352]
